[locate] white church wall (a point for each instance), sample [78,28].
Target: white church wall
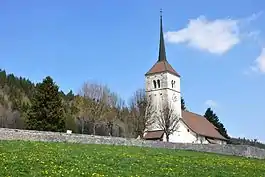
[174,105]
[174,96]
[216,141]
[170,78]
[163,93]
[157,95]
[186,135]
[182,135]
[154,77]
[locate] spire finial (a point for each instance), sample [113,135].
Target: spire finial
[162,52]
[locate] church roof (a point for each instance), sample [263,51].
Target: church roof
[201,125]
[162,64]
[153,135]
[196,123]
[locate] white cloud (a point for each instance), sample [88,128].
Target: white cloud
[253,17]
[258,65]
[210,103]
[214,36]
[260,62]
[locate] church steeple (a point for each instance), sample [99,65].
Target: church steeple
[162,51]
[162,64]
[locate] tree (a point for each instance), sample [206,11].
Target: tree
[2,78]
[114,111]
[167,120]
[94,105]
[142,111]
[70,96]
[213,118]
[82,106]
[3,116]
[183,106]
[46,111]
[244,141]
[70,115]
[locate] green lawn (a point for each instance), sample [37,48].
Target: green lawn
[20,158]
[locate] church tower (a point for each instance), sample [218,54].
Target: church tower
[162,83]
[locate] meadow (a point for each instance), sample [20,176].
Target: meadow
[23,158]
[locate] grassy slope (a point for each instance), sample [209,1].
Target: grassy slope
[20,158]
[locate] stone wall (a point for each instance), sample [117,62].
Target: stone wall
[238,150]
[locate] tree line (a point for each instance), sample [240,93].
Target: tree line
[95,109]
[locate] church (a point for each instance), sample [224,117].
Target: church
[163,86]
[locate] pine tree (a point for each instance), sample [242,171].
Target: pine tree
[70,95]
[46,112]
[213,118]
[2,78]
[183,106]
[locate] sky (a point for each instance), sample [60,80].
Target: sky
[217,47]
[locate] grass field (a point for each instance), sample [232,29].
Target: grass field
[19,158]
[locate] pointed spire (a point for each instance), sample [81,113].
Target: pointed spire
[162,64]
[162,51]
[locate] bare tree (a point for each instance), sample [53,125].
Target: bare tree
[9,119]
[115,110]
[142,111]
[167,119]
[96,101]
[16,120]
[81,105]
[125,121]
[111,111]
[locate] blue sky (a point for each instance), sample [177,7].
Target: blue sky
[215,46]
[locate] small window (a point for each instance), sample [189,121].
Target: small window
[160,93]
[188,130]
[154,82]
[158,83]
[173,83]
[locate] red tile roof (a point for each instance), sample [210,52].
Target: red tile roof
[162,66]
[157,134]
[200,125]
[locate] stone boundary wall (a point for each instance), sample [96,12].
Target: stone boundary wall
[32,135]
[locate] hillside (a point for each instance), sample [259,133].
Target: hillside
[16,95]
[95,110]
[61,159]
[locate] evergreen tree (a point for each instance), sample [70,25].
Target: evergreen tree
[213,118]
[70,95]
[2,78]
[183,106]
[46,112]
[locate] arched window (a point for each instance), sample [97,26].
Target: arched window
[154,82]
[173,83]
[158,83]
